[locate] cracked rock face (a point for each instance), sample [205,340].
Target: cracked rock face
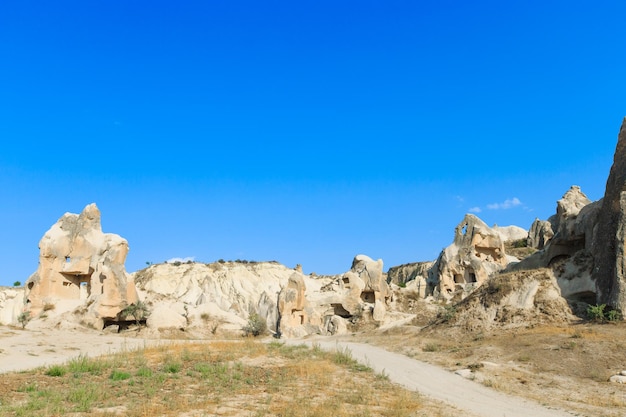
[608,243]
[79,265]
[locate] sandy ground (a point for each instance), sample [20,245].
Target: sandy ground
[26,349]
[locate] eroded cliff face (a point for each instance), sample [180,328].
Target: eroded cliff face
[81,265]
[608,243]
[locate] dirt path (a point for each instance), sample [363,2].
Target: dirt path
[440,384]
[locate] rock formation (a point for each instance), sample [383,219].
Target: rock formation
[564,241]
[81,265]
[586,251]
[476,253]
[416,271]
[508,301]
[293,309]
[540,234]
[218,296]
[221,296]
[608,244]
[11,304]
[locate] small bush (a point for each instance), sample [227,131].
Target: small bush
[24,318]
[139,311]
[117,375]
[613,315]
[17,283]
[256,326]
[56,370]
[172,367]
[431,347]
[448,313]
[596,313]
[521,243]
[144,371]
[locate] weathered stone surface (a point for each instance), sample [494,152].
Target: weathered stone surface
[540,234]
[510,233]
[222,295]
[608,244]
[167,315]
[81,265]
[11,304]
[291,307]
[568,251]
[417,271]
[567,209]
[476,253]
[512,300]
[367,285]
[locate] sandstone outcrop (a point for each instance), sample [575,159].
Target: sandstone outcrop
[218,297]
[608,245]
[416,271]
[511,233]
[540,234]
[586,252]
[221,296]
[81,265]
[11,304]
[476,253]
[564,241]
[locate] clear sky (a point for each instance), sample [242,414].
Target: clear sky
[300,131]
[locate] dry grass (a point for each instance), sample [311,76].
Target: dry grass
[229,378]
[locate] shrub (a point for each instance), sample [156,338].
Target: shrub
[117,375]
[256,326]
[448,313]
[139,311]
[56,370]
[431,347]
[24,318]
[596,313]
[17,283]
[614,315]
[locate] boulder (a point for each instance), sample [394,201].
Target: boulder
[79,265]
[618,379]
[608,243]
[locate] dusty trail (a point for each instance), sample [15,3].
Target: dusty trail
[440,384]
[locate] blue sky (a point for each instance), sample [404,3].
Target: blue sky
[302,132]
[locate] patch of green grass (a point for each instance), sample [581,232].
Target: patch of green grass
[56,370]
[117,375]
